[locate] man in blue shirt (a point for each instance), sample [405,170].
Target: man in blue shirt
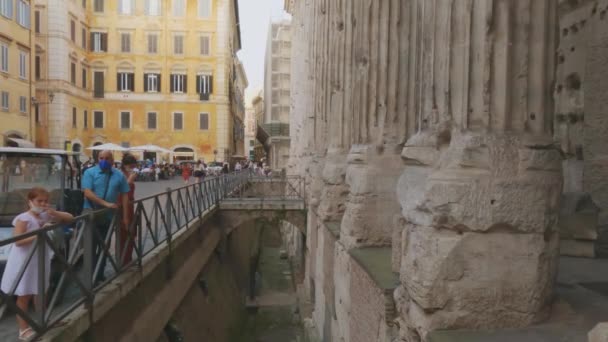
[102,186]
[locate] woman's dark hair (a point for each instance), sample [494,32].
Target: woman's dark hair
[128,159]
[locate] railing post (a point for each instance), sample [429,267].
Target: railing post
[40,302]
[88,249]
[168,212]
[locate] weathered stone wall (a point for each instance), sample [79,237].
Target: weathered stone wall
[595,173]
[214,310]
[579,213]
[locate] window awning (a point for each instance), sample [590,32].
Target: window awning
[23,142]
[183,154]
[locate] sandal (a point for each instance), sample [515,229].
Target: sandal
[26,335]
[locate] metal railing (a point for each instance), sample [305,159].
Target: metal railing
[272,188]
[76,271]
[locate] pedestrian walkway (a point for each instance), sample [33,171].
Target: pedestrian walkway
[8,325]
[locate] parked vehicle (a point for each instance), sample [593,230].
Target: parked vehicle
[21,169]
[214,168]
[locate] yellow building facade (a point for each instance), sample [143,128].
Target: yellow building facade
[16,66]
[141,72]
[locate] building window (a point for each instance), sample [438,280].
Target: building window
[4,102]
[73,31]
[125,81]
[125,42]
[203,121]
[37,114]
[85,119]
[98,119]
[125,7]
[98,84]
[125,120]
[74,118]
[152,120]
[22,104]
[178,44]
[36,21]
[84,38]
[73,73]
[84,3]
[84,78]
[205,45]
[152,83]
[153,7]
[22,65]
[179,83]
[179,8]
[3,57]
[99,42]
[6,8]
[178,121]
[23,13]
[204,86]
[98,6]
[204,8]
[37,67]
[152,43]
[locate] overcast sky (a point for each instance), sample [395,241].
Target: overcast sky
[255,16]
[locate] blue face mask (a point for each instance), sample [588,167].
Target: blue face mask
[105,165]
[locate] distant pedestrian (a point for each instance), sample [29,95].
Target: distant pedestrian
[238,166]
[127,233]
[198,171]
[38,215]
[225,169]
[186,172]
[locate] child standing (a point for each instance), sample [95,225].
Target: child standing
[35,218]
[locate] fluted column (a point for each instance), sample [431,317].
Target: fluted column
[480,191]
[376,91]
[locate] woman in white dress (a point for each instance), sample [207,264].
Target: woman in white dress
[39,215]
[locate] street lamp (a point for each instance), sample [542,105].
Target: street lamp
[214,155]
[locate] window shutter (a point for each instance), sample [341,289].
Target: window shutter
[158,82]
[185,84]
[210,84]
[99,84]
[172,83]
[37,67]
[198,84]
[118,82]
[104,42]
[92,41]
[131,79]
[145,82]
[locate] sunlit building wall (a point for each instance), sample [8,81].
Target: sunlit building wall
[147,72]
[16,72]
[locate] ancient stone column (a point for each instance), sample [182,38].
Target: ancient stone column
[333,196]
[480,191]
[378,123]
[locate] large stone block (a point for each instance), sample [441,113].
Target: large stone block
[371,175]
[599,333]
[480,242]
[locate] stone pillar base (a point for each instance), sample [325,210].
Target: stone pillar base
[480,242]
